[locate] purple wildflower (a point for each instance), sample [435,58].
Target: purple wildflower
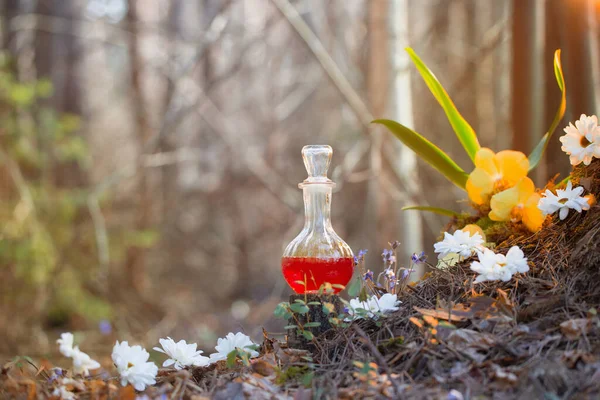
[407,272]
[418,258]
[105,327]
[368,276]
[360,256]
[387,254]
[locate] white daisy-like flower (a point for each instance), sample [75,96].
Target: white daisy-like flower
[83,363]
[493,267]
[230,343]
[516,260]
[62,393]
[582,141]
[384,304]
[133,365]
[65,344]
[460,242]
[563,200]
[181,354]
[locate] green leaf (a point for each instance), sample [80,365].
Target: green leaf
[281,310]
[328,308]
[307,379]
[363,295]
[436,210]
[314,303]
[312,325]
[463,130]
[231,357]
[540,148]
[354,287]
[299,308]
[427,151]
[308,335]
[300,301]
[290,327]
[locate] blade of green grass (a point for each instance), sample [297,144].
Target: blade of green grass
[540,148]
[429,152]
[436,210]
[463,130]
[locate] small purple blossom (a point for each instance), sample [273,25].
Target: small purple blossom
[388,256]
[389,273]
[407,272]
[419,258]
[368,276]
[105,327]
[346,310]
[55,374]
[360,256]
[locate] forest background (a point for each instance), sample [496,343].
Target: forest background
[150,149]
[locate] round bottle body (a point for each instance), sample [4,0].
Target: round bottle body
[317,255]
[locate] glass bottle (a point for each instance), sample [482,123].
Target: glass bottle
[317,255]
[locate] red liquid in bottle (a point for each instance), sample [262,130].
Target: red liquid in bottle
[315,272]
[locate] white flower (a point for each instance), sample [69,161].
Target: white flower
[66,344]
[493,267]
[386,303]
[516,261]
[133,366]
[461,243]
[181,354]
[563,200]
[582,141]
[231,342]
[62,393]
[82,363]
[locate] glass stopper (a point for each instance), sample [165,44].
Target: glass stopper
[316,161]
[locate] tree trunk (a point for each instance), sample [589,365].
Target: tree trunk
[135,262]
[402,111]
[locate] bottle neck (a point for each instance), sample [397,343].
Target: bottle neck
[317,207]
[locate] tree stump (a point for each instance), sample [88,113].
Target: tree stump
[296,339]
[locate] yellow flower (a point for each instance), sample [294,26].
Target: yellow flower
[518,203]
[473,229]
[495,172]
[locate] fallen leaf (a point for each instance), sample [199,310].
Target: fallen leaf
[471,343]
[573,357]
[504,376]
[452,315]
[574,328]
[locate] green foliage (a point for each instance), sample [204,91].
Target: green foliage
[540,148]
[302,373]
[48,254]
[429,152]
[354,287]
[463,130]
[436,210]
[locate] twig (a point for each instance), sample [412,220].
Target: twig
[367,341]
[327,63]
